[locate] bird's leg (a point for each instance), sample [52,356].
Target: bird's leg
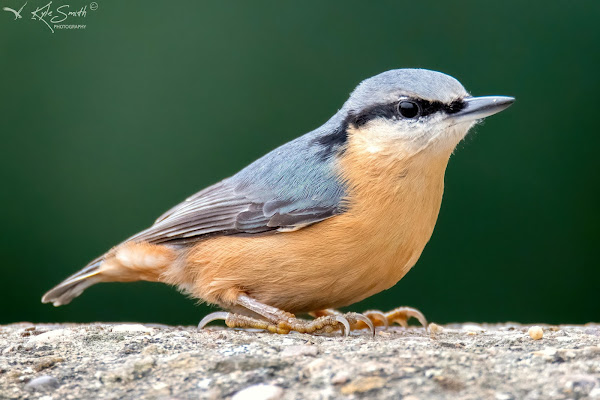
[276,320]
[398,315]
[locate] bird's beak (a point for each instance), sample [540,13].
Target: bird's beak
[481,107]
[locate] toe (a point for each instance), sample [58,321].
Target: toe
[401,315]
[377,317]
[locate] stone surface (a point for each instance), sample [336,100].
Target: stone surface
[134,361]
[42,383]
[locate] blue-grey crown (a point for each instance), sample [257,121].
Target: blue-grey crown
[388,86]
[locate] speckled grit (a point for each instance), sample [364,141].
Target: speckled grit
[133,361]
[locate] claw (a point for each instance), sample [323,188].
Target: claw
[344,322]
[213,317]
[367,321]
[411,312]
[378,315]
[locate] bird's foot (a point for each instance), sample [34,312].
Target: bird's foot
[278,321]
[398,315]
[325,324]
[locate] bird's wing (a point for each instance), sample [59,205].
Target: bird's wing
[289,188]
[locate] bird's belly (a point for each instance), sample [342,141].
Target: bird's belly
[331,264]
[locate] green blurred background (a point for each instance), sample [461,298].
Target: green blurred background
[105,128]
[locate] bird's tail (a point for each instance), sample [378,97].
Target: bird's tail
[74,285]
[126,263]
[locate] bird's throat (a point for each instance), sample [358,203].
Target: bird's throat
[395,201]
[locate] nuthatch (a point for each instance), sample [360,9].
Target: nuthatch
[326,220]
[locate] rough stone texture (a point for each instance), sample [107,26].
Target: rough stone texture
[135,361]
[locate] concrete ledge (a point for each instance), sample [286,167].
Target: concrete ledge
[133,361]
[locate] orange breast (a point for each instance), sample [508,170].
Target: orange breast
[393,204]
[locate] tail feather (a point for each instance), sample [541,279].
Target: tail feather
[127,262]
[74,285]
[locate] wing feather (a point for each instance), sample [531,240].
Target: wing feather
[293,186]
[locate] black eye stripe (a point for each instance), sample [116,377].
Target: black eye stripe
[387,111]
[436,106]
[390,110]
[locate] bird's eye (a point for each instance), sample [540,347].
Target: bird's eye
[409,109]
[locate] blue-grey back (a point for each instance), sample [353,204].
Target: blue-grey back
[295,185]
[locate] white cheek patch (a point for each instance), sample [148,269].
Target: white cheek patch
[396,137]
[405,138]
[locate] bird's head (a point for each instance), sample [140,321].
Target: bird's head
[406,111]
